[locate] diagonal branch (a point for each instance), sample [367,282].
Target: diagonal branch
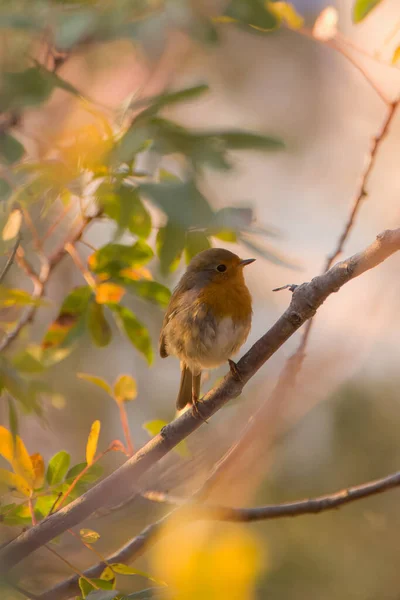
[306,299]
[193,512]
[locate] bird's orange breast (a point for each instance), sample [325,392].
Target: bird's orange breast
[228,299]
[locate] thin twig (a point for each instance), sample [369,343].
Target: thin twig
[125,427]
[71,566]
[151,534]
[90,280]
[306,299]
[10,259]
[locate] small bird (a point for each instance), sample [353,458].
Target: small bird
[208,319]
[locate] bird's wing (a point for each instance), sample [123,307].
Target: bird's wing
[174,308]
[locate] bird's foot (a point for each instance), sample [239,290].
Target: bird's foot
[234,370]
[196,411]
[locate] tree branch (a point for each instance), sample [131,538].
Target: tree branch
[306,299]
[193,512]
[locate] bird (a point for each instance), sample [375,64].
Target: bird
[207,320]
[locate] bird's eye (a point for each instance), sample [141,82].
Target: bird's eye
[221,268]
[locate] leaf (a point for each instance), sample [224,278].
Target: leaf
[92,474]
[123,569]
[325,26]
[196,241]
[89,536]
[99,329]
[123,204]
[232,219]
[168,99]
[101,383]
[12,418]
[58,467]
[109,293]
[70,323]
[112,258]
[103,595]
[17,297]
[11,150]
[362,8]
[13,225]
[108,574]
[244,140]
[253,13]
[86,588]
[285,11]
[154,427]
[150,290]
[5,190]
[170,244]
[147,594]
[184,205]
[38,469]
[93,438]
[269,253]
[12,481]
[125,388]
[25,362]
[30,87]
[135,330]
[396,56]
[14,451]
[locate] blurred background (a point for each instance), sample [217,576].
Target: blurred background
[339,427]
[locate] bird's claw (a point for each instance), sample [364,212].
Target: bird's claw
[196,411]
[234,370]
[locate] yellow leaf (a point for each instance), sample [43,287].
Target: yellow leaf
[109,292]
[12,481]
[38,469]
[14,451]
[91,445]
[125,388]
[325,26]
[396,56]
[136,273]
[287,13]
[89,536]
[108,574]
[13,225]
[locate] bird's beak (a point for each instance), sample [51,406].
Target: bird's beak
[247,261]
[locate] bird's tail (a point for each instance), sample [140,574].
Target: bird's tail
[189,383]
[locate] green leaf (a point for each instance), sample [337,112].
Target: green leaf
[26,362]
[168,99]
[89,536]
[11,150]
[99,329]
[25,88]
[91,475]
[113,258]
[196,241]
[70,323]
[86,588]
[147,594]
[362,8]
[135,330]
[184,205]
[101,383]
[149,290]
[58,467]
[252,12]
[12,418]
[233,219]
[72,27]
[5,190]
[170,243]
[103,595]
[17,297]
[125,207]
[123,569]
[125,388]
[244,140]
[154,428]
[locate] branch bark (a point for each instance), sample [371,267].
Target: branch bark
[306,299]
[194,512]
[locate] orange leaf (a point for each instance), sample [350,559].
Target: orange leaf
[109,293]
[38,469]
[14,451]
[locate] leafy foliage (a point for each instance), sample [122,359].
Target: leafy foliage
[362,8]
